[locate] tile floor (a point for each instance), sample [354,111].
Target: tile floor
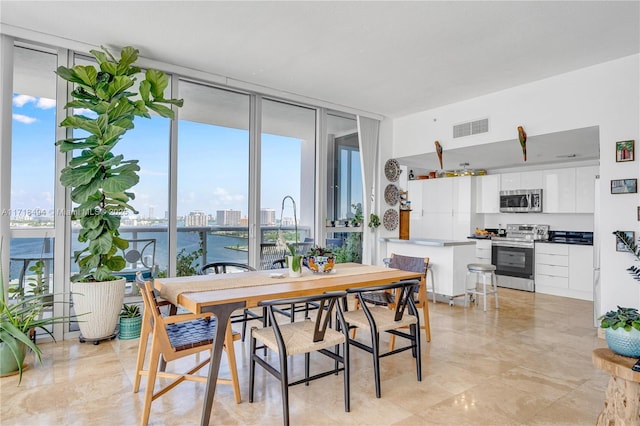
[528,363]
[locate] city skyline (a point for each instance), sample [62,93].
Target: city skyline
[33,176]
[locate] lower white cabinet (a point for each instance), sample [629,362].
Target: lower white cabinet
[564,270]
[483,251]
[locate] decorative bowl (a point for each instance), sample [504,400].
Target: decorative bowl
[626,343]
[320,264]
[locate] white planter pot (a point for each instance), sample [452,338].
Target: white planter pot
[98,306]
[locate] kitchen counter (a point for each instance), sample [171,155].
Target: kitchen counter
[448,260]
[431,242]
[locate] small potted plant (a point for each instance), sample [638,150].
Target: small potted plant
[320,259]
[622,326]
[374,221]
[18,319]
[622,331]
[130,322]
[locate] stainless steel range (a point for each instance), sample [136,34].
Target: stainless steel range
[513,255]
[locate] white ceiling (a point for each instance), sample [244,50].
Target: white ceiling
[388,58]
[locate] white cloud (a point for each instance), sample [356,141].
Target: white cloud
[24,119]
[224,197]
[84,111]
[46,103]
[21,100]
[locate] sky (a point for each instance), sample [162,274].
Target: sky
[212,163]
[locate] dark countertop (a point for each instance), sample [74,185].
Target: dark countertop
[573,243]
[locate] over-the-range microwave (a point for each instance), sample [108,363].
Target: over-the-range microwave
[521,201]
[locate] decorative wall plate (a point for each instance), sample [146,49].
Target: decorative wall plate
[392,170]
[391,194]
[390,220]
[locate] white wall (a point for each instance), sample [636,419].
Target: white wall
[605,95]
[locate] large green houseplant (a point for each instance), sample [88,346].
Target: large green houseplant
[100,180]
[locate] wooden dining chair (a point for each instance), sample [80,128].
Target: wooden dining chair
[301,337]
[377,319]
[174,337]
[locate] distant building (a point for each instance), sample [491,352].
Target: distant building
[228,217]
[244,221]
[268,217]
[150,212]
[197,218]
[287,221]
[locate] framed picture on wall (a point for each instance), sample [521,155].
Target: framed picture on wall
[624,186]
[625,151]
[620,245]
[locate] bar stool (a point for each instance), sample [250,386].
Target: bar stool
[486,272]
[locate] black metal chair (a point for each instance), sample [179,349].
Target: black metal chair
[302,337]
[231,267]
[378,319]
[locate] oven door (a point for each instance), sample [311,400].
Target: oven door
[513,260]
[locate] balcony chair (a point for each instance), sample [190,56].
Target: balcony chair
[231,267]
[174,337]
[377,319]
[301,337]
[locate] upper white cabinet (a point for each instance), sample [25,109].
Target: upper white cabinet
[569,190]
[487,194]
[585,188]
[531,180]
[414,188]
[521,180]
[510,181]
[559,189]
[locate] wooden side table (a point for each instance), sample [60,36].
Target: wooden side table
[622,397]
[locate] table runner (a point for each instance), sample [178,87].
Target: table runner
[171,291]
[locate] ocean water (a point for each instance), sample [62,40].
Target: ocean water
[216,246]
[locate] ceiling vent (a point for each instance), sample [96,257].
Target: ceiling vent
[471,128]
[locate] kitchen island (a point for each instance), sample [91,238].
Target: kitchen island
[448,259]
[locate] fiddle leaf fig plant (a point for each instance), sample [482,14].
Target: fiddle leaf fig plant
[100,180]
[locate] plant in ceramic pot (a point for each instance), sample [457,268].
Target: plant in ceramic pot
[374,221]
[622,326]
[18,319]
[320,259]
[294,259]
[130,322]
[107,99]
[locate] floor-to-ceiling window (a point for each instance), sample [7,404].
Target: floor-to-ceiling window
[33,177]
[344,199]
[213,177]
[287,169]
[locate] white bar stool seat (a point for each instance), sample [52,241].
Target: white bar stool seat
[484,274]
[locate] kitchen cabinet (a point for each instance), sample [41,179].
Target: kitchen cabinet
[521,180]
[585,188]
[581,271]
[487,194]
[559,191]
[414,189]
[483,251]
[446,211]
[564,270]
[510,181]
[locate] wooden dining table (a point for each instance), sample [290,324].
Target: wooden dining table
[224,293]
